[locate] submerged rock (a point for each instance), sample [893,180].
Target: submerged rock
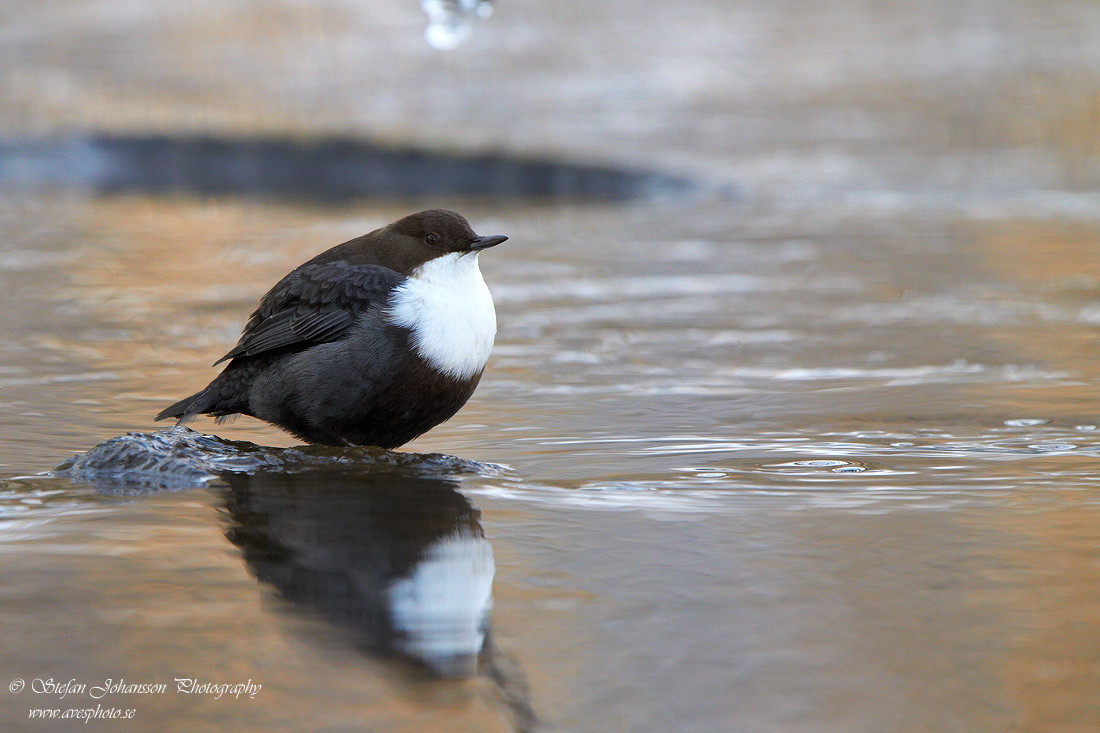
[179,457]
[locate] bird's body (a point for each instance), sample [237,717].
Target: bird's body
[372,342]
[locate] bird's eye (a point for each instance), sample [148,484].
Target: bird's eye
[432,239]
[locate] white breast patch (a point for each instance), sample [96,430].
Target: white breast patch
[448,308]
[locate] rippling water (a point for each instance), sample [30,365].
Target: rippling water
[767,476]
[820,457]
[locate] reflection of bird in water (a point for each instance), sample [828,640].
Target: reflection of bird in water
[400,560]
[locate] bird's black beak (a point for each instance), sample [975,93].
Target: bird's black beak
[486,242]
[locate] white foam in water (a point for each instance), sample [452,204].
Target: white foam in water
[449,20]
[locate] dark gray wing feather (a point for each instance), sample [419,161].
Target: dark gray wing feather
[315,304]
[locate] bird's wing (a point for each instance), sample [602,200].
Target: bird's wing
[315,304]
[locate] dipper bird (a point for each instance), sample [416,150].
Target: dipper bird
[373,342]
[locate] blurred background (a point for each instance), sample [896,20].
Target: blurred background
[794,384]
[951,101]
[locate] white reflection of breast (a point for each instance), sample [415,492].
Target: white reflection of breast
[443,607]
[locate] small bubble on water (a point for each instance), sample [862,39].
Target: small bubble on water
[849,469]
[901,445]
[1084,428]
[1026,422]
[818,463]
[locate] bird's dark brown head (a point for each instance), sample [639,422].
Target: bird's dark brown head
[410,242]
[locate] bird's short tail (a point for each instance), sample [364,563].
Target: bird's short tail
[221,399]
[186,409]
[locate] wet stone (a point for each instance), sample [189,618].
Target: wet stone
[179,457]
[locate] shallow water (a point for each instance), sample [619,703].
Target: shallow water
[809,480]
[821,457]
